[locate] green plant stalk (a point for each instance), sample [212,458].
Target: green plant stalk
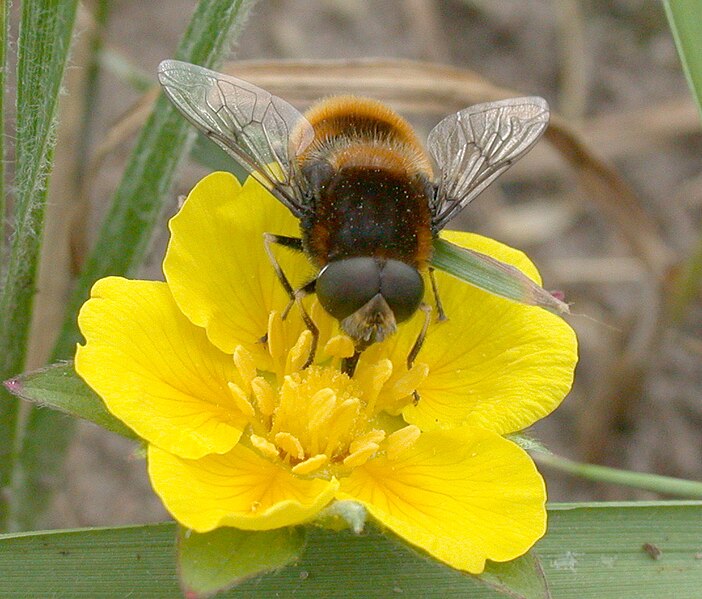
[42,50]
[649,482]
[685,20]
[124,239]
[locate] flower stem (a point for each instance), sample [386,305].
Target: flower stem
[639,480]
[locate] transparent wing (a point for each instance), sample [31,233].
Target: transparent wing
[262,132]
[476,145]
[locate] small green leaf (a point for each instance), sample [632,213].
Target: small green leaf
[218,560]
[522,578]
[60,388]
[493,276]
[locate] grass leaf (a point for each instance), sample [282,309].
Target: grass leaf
[627,551]
[685,20]
[42,50]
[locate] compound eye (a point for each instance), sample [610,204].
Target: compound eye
[402,287]
[345,286]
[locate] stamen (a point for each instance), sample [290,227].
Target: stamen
[264,446]
[299,353]
[374,436]
[322,406]
[310,465]
[408,383]
[360,456]
[246,366]
[241,401]
[264,395]
[339,346]
[401,440]
[341,424]
[290,445]
[276,337]
[372,381]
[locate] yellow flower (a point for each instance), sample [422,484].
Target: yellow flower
[239,435]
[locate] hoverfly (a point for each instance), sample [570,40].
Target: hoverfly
[369,200]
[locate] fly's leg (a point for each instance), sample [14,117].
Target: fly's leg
[302,292]
[426,308]
[293,243]
[348,365]
[440,314]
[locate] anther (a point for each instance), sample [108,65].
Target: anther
[299,353]
[246,366]
[401,440]
[264,447]
[339,346]
[311,464]
[264,395]
[241,401]
[290,445]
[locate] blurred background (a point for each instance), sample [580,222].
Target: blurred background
[608,205]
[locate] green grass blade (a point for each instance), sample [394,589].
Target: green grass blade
[90,91]
[8,408]
[4,41]
[42,50]
[685,19]
[592,551]
[124,237]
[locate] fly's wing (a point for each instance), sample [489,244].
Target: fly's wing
[263,133]
[476,145]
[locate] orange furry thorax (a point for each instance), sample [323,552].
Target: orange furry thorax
[352,131]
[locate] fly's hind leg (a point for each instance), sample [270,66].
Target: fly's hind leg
[295,296]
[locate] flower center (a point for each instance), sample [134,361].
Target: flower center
[318,420]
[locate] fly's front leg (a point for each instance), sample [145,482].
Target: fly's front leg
[426,308]
[440,314]
[293,243]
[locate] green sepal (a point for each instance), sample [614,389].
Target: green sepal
[224,558]
[60,388]
[522,578]
[342,515]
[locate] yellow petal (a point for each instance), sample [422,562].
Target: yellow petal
[494,363]
[216,265]
[156,371]
[464,496]
[239,489]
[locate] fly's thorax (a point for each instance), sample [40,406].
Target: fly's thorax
[344,122]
